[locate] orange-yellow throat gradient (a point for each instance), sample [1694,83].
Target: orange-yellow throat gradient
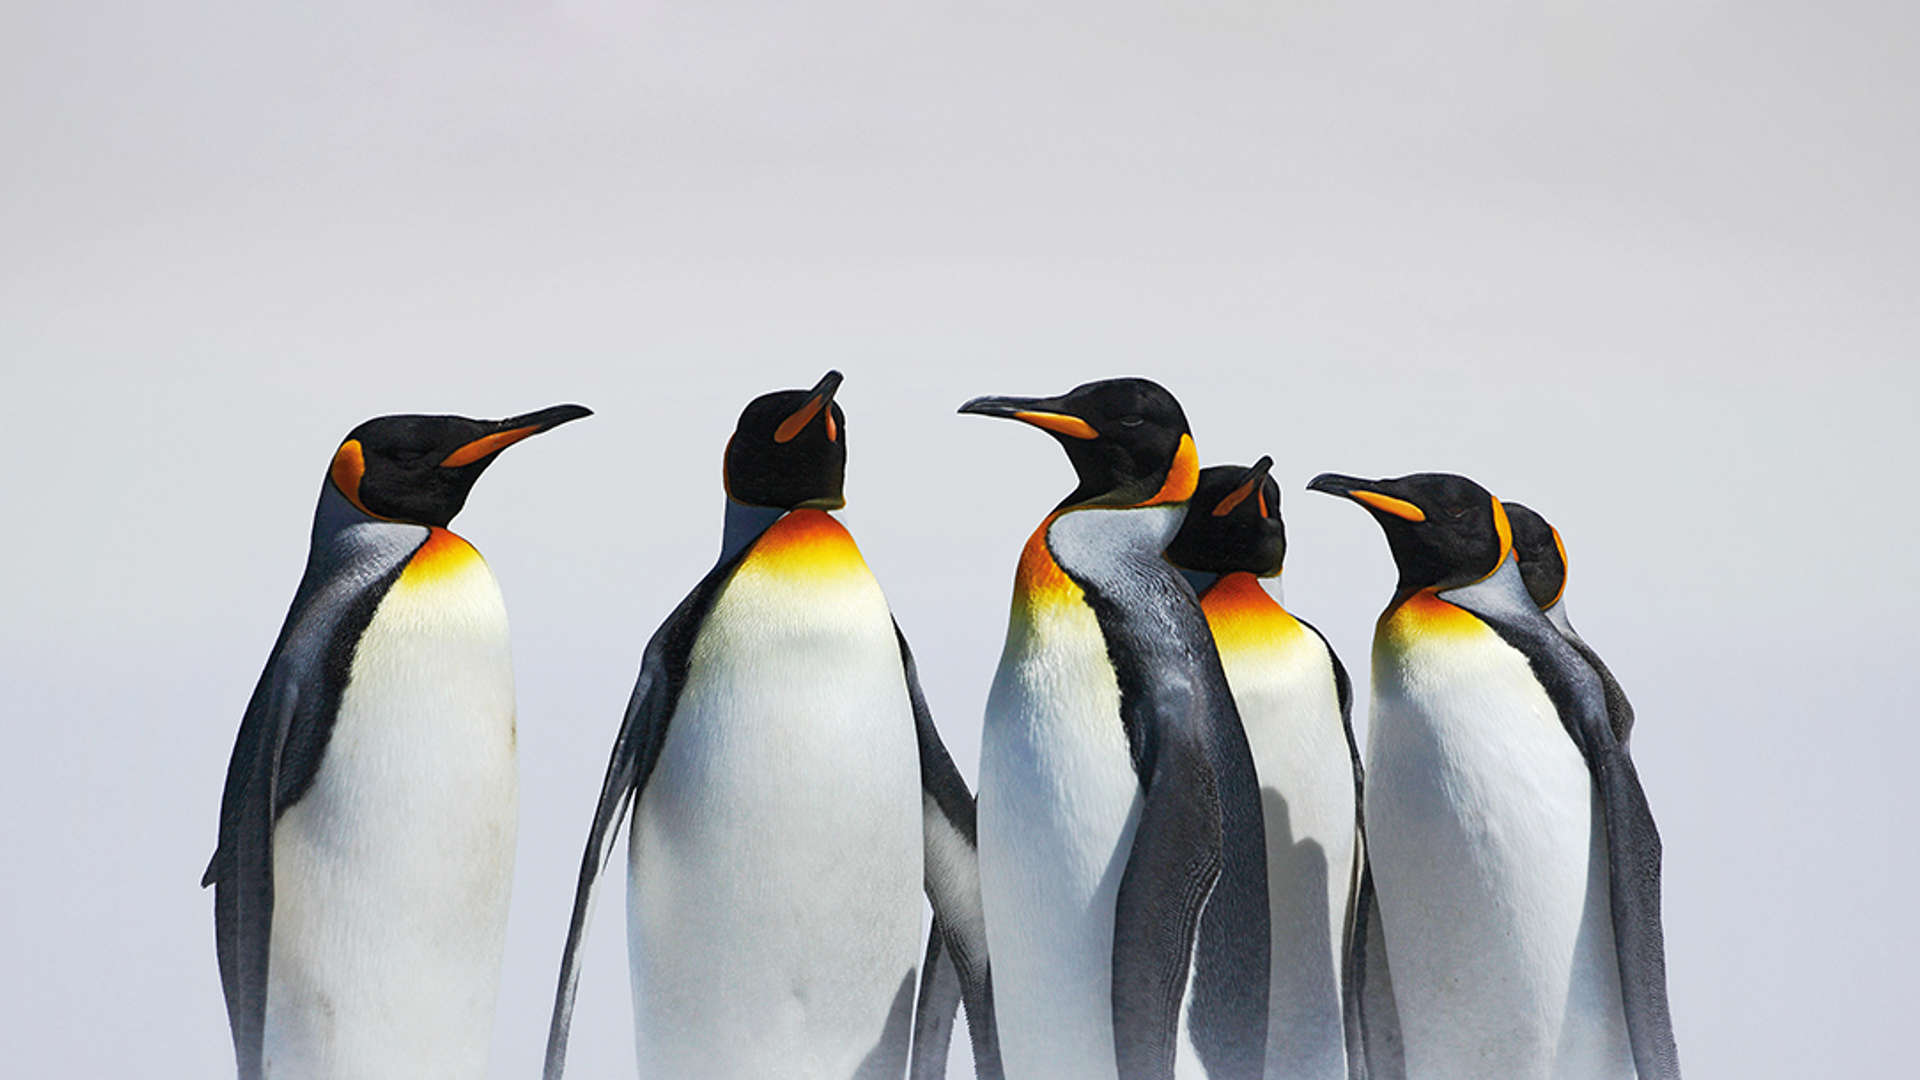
[1040,584]
[805,543]
[445,555]
[1244,618]
[1422,618]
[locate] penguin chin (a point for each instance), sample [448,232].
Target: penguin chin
[822,502]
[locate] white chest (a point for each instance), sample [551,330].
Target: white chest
[1481,833]
[1289,704]
[1059,802]
[392,874]
[775,868]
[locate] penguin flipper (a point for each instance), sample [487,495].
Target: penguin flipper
[283,736]
[934,1011]
[242,874]
[952,862]
[1171,870]
[1580,695]
[1374,1049]
[643,730]
[1633,867]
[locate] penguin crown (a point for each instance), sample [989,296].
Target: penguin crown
[1127,439]
[1233,523]
[1541,555]
[1444,530]
[789,450]
[420,469]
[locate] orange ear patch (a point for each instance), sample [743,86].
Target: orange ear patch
[487,444]
[1182,476]
[1387,504]
[349,465]
[1059,424]
[1561,546]
[795,424]
[1504,528]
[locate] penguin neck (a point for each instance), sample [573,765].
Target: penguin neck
[743,525]
[334,515]
[1201,580]
[1556,614]
[1093,544]
[1503,592]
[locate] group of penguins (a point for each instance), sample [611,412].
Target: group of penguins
[1176,866]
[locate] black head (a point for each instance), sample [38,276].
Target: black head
[790,450]
[1541,555]
[1233,523]
[419,469]
[1444,530]
[1127,439]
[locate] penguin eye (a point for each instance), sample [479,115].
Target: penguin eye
[1131,421]
[1456,513]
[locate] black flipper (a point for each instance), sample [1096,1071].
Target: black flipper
[1579,693]
[663,673]
[934,1012]
[1171,871]
[952,861]
[282,738]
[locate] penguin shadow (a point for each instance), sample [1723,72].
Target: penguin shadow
[888,1058]
[1305,1020]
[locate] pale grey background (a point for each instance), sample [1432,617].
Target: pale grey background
[1650,267]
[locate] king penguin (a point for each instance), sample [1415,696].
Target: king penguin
[367,827]
[1515,863]
[1543,566]
[1296,702]
[787,794]
[1122,859]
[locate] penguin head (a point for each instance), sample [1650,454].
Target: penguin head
[419,469]
[1445,531]
[1127,439]
[790,450]
[1233,523]
[1541,555]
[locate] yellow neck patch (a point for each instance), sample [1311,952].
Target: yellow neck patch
[444,555]
[1244,617]
[1424,616]
[805,542]
[1040,581]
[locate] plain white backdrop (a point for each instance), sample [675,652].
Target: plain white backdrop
[1650,268]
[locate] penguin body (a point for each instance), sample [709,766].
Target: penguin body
[789,799]
[367,832]
[1295,701]
[1121,853]
[775,863]
[1514,862]
[1542,556]
[370,974]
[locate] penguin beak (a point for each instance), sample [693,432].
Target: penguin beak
[506,432]
[1044,413]
[1250,482]
[1368,493]
[819,400]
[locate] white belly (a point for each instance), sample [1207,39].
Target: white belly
[774,906]
[1481,827]
[1291,710]
[1059,803]
[392,874]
